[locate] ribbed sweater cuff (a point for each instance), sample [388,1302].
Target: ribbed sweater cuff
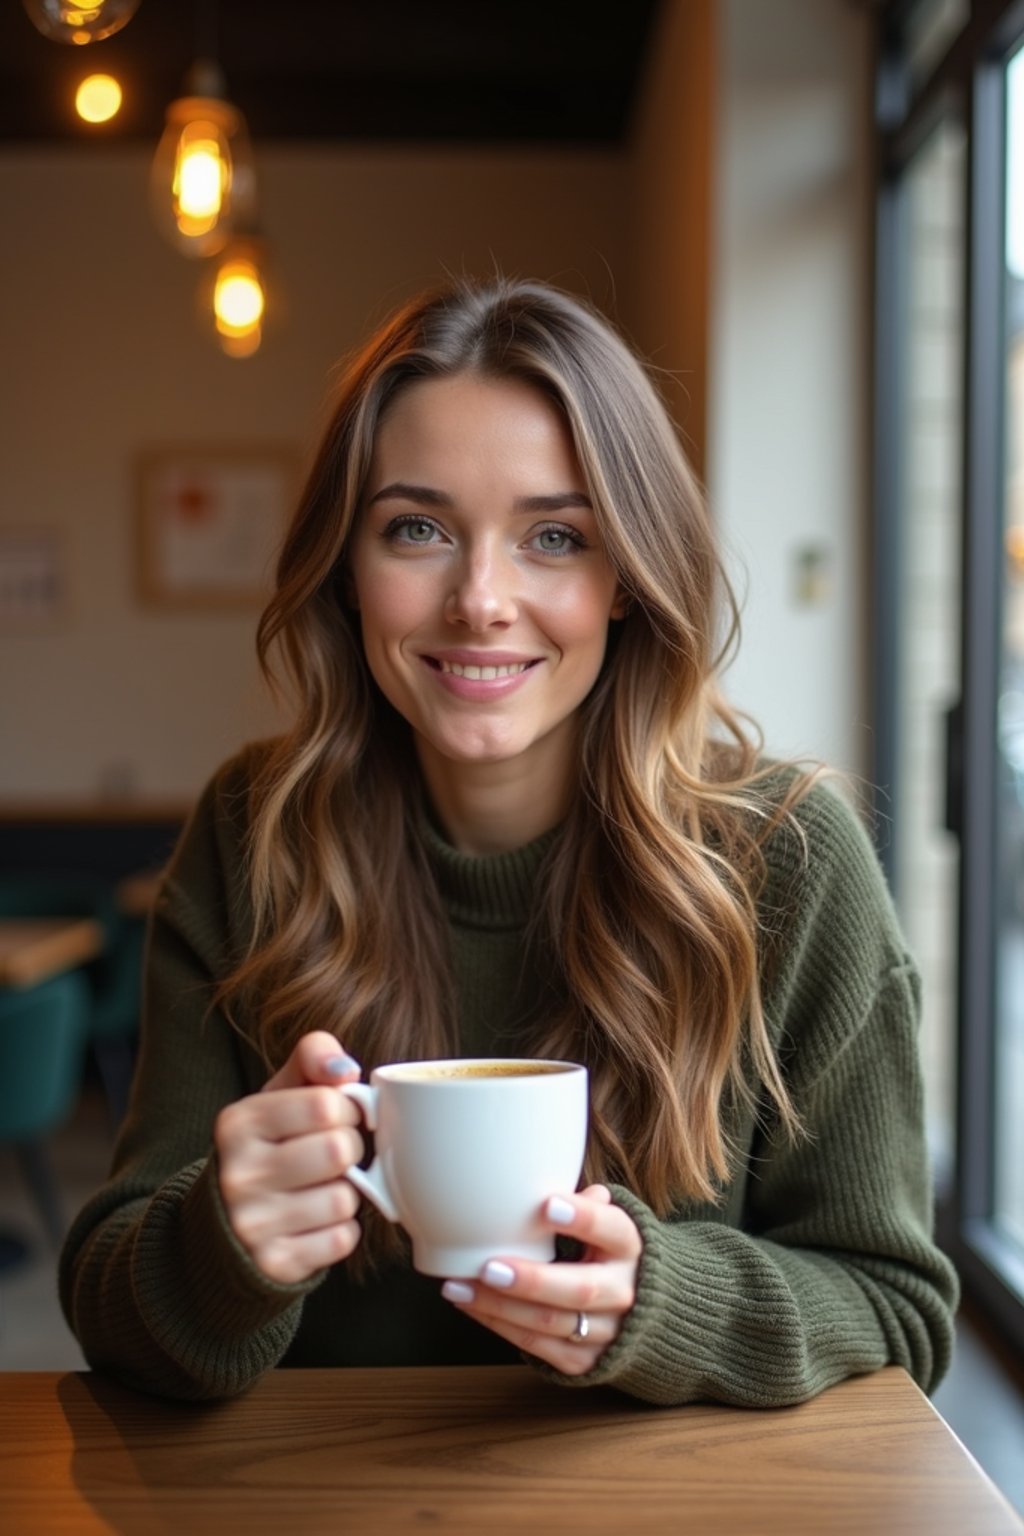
[213,1312]
[241,1296]
[636,1361]
[689,1335]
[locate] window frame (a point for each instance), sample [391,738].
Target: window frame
[967,84]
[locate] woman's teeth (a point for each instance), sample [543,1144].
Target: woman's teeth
[483,674]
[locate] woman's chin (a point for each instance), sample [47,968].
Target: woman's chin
[470,751]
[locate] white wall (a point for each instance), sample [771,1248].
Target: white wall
[103,357]
[787,420]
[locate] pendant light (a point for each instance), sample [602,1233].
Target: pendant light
[89,22]
[203,181]
[98,99]
[234,295]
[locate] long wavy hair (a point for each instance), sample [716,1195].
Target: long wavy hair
[648,906]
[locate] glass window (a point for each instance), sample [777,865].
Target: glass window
[1008,1202]
[926,862]
[929,30]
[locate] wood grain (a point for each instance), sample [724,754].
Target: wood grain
[479,1450]
[33,948]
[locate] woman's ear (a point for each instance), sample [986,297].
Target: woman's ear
[622,604]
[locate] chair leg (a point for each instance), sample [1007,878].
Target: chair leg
[37,1168]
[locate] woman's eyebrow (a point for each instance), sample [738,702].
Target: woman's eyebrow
[428,496]
[554,503]
[424,495]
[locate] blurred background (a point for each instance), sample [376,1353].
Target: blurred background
[807,214]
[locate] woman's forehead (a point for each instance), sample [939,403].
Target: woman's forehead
[470,426]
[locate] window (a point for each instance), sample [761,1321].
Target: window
[949,590]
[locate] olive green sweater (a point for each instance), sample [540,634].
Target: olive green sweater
[817,1264]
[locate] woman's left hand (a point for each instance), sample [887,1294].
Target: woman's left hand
[537,1307]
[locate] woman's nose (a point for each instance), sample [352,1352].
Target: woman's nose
[484,594]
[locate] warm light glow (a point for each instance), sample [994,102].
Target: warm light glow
[238,300]
[98,98]
[199,183]
[244,344]
[202,178]
[202,183]
[1015,551]
[80,24]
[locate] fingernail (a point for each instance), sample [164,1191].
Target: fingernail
[560,1211]
[497,1273]
[454,1290]
[339,1066]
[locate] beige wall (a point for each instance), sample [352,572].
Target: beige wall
[104,357]
[788,475]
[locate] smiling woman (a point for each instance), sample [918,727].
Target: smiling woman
[515,818]
[485,623]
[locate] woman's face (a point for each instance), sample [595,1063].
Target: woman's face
[483,589]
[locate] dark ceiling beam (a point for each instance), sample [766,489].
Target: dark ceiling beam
[490,71]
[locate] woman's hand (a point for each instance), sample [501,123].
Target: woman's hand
[537,1306]
[282,1158]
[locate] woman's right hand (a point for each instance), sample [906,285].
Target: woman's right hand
[282,1158]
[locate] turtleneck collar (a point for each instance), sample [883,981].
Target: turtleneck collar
[496,890]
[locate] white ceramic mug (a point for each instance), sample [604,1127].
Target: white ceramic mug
[467,1152]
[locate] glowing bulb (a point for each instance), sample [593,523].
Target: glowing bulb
[236,297]
[238,301]
[86,22]
[98,98]
[202,175]
[202,182]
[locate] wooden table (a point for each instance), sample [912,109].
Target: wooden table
[33,948]
[480,1452]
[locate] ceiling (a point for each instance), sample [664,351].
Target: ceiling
[520,71]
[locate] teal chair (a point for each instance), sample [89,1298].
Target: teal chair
[114,978]
[43,1035]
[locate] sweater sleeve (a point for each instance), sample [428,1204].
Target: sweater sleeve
[153,1282]
[829,1268]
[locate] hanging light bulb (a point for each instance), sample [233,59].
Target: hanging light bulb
[98,99]
[203,181]
[235,296]
[89,22]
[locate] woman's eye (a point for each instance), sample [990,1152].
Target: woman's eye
[558,541]
[411,530]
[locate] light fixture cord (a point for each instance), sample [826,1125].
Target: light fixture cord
[207,20]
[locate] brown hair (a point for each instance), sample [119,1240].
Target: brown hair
[648,904]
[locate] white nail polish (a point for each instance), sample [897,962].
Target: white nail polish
[455,1290]
[497,1273]
[339,1066]
[560,1211]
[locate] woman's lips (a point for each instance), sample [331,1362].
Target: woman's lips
[485,672]
[479,678]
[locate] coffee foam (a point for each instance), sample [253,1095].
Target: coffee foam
[455,1071]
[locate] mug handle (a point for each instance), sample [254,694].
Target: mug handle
[369,1181]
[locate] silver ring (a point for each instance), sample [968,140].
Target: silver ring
[582,1329]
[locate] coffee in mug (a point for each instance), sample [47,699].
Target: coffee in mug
[469,1151]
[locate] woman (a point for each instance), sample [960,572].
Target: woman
[514,816]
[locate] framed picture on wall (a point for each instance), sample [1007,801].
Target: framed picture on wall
[210,521]
[32,580]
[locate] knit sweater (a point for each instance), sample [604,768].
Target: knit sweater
[817,1262]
